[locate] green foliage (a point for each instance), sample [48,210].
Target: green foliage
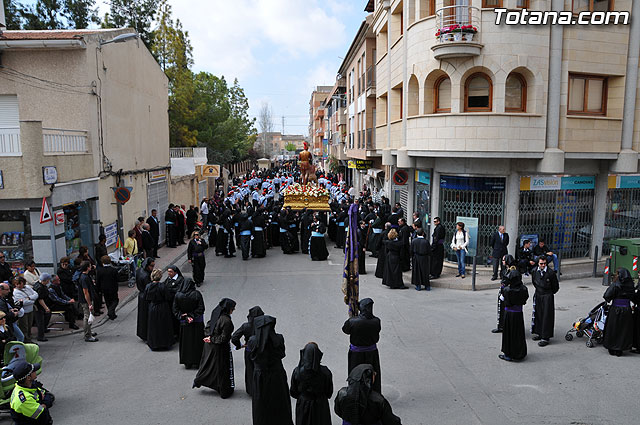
[43,15]
[290,147]
[334,165]
[81,13]
[12,14]
[50,14]
[136,14]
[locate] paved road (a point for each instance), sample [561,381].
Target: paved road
[439,360]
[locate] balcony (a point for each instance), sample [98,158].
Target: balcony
[458,30]
[371,82]
[371,140]
[64,142]
[188,152]
[10,142]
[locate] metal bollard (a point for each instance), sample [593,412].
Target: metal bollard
[595,261]
[473,273]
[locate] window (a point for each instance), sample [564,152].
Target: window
[427,8]
[491,3]
[522,4]
[442,89]
[578,6]
[515,93]
[478,93]
[587,95]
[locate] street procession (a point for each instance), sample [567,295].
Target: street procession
[381,212]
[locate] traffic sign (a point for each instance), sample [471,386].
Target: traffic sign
[45,212]
[122,194]
[400,177]
[59,217]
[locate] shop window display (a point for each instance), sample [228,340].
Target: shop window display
[77,230]
[15,240]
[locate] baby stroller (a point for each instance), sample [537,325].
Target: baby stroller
[592,326]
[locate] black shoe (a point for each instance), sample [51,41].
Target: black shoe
[536,338]
[428,288]
[496,331]
[505,358]
[114,317]
[494,278]
[543,343]
[73,326]
[94,333]
[43,339]
[458,275]
[418,288]
[92,339]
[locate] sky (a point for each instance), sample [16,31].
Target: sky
[278,49]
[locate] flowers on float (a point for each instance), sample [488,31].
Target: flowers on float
[310,191]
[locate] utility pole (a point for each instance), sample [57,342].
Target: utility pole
[282,119]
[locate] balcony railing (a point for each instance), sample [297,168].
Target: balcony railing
[371,142]
[63,142]
[188,152]
[371,77]
[458,32]
[10,142]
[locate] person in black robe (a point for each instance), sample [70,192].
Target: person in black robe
[361,403]
[170,220]
[514,295]
[341,223]
[317,244]
[546,283]
[332,227]
[274,227]
[271,404]
[245,227]
[216,364]
[364,334]
[180,225]
[293,220]
[188,308]
[363,232]
[392,276]
[246,331]
[437,244]
[173,282]
[258,244]
[382,252]
[377,228]
[312,387]
[191,219]
[225,243]
[404,235]
[212,238]
[618,329]
[286,237]
[160,322]
[421,269]
[305,233]
[195,253]
[143,278]
[507,262]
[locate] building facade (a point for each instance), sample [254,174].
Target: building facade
[80,115]
[336,120]
[527,126]
[317,124]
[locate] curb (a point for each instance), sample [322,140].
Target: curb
[104,319]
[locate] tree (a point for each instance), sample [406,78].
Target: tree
[265,122]
[12,14]
[290,147]
[81,13]
[44,15]
[136,14]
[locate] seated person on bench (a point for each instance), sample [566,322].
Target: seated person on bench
[542,249]
[59,301]
[525,258]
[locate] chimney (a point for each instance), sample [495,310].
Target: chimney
[3,24]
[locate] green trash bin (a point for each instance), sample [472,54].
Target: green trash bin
[625,253]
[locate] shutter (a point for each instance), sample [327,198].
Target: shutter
[158,199]
[202,190]
[9,111]
[404,200]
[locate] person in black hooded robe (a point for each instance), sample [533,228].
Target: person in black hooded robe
[173,283]
[160,322]
[363,233]
[507,262]
[188,308]
[195,253]
[274,226]
[271,404]
[392,276]
[286,237]
[618,329]
[317,244]
[258,244]
[143,278]
[342,219]
[420,268]
[359,403]
[514,295]
[382,251]
[364,334]
[246,331]
[216,364]
[312,387]
[546,283]
[305,233]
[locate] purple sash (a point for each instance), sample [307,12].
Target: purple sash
[621,302]
[357,349]
[514,309]
[199,319]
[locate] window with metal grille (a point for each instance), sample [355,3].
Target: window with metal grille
[622,219]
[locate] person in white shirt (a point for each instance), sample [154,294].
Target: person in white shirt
[459,244]
[32,274]
[204,211]
[28,297]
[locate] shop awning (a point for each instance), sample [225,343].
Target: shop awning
[373,172]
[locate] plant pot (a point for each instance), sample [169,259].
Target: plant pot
[468,36]
[457,36]
[447,37]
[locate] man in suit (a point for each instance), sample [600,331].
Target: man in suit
[437,245]
[149,245]
[499,243]
[154,229]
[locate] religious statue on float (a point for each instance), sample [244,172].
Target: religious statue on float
[307,169]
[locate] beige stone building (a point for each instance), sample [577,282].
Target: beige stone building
[81,113]
[531,126]
[319,143]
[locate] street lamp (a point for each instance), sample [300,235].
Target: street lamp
[120,38]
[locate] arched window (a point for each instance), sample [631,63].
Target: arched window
[478,93]
[515,96]
[442,90]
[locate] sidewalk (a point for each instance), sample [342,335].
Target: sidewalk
[167,257]
[571,269]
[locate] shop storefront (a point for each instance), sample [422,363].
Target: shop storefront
[422,200]
[77,227]
[15,238]
[400,190]
[479,197]
[158,197]
[622,219]
[558,209]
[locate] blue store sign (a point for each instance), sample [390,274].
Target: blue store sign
[495,184]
